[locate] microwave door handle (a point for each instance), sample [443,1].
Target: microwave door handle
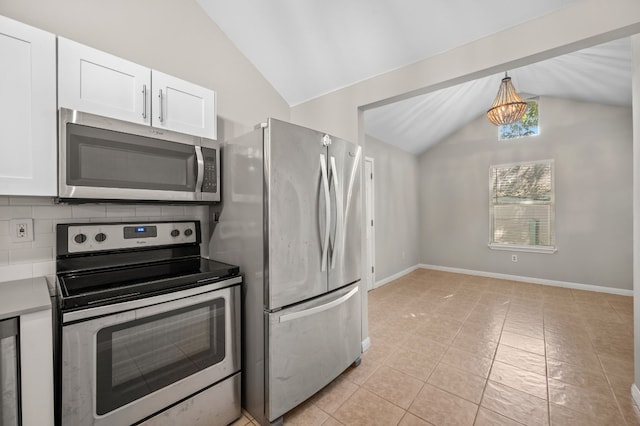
[200,169]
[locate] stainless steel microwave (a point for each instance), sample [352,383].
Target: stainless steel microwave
[104,159]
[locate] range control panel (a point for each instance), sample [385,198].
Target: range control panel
[90,237]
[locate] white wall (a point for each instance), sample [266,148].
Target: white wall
[396,208]
[175,37]
[591,145]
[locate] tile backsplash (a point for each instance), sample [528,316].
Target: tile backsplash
[20,260]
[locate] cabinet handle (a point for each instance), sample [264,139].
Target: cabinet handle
[161,116]
[144,101]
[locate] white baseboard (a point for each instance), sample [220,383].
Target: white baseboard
[366,344]
[565,284]
[635,394]
[396,276]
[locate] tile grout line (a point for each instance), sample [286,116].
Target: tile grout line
[493,360]
[427,379]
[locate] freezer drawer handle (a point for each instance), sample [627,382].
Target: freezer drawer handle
[311,311]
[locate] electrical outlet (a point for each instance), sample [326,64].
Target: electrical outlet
[21,230]
[514,257]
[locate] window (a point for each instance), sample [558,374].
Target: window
[522,207]
[527,126]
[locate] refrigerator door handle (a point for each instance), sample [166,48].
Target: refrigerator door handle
[339,213]
[327,219]
[311,311]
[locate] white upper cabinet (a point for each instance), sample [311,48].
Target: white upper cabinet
[183,106]
[27,110]
[99,83]
[96,82]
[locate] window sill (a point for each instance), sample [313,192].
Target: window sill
[530,249]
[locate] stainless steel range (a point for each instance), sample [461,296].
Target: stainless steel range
[149,332]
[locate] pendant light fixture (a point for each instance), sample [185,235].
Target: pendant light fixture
[508,107]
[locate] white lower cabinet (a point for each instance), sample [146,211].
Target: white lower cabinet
[27,110]
[26,345]
[9,376]
[99,83]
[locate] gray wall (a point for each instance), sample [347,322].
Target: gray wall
[592,148]
[396,208]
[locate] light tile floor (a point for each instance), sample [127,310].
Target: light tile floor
[452,349]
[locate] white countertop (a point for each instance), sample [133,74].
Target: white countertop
[21,297]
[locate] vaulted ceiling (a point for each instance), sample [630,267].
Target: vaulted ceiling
[600,74]
[306,49]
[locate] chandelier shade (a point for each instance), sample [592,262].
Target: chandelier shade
[508,107]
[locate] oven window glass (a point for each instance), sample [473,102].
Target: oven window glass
[139,357]
[109,159]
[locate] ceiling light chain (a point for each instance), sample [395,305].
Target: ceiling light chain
[508,107]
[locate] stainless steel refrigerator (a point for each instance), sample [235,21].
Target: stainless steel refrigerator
[291,217]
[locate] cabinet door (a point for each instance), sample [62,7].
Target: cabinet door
[182,106]
[27,110]
[99,83]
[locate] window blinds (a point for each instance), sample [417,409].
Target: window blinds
[522,204]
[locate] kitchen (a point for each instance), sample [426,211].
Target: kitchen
[244,97]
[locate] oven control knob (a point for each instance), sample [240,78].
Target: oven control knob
[80,238]
[175,233]
[101,237]
[188,232]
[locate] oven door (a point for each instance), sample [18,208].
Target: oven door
[128,365]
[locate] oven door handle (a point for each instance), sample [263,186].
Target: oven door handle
[86,314]
[200,169]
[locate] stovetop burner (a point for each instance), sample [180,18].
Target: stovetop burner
[161,259]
